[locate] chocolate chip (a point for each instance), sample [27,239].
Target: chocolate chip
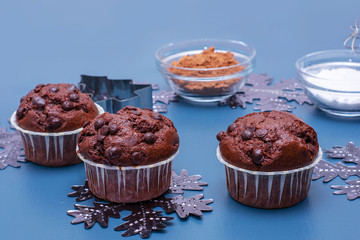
[136,157]
[22,99]
[308,139]
[131,108]
[38,87]
[20,113]
[99,123]
[176,139]
[104,130]
[231,127]
[67,105]
[53,89]
[53,123]
[100,137]
[219,135]
[113,128]
[149,138]
[261,132]
[112,152]
[257,156]
[84,108]
[74,97]
[38,102]
[300,134]
[246,134]
[86,123]
[156,116]
[71,88]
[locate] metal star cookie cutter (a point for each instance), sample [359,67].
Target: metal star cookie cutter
[114,94]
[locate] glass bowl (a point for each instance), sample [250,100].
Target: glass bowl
[205,84]
[332,81]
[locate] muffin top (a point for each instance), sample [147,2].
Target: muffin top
[132,136]
[269,141]
[55,108]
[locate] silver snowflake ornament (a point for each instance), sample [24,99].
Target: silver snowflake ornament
[185,182]
[269,97]
[143,219]
[12,149]
[352,190]
[348,154]
[192,205]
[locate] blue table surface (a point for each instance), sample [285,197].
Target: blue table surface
[57,41]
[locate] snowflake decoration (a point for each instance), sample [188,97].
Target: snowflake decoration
[330,171]
[270,97]
[100,213]
[349,154]
[143,218]
[12,149]
[192,205]
[352,190]
[185,182]
[142,221]
[82,192]
[164,97]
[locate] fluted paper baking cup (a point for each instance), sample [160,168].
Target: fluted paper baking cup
[268,190]
[128,184]
[50,149]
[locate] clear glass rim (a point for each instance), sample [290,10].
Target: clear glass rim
[317,159]
[17,127]
[301,60]
[245,63]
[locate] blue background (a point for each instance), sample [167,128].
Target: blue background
[57,41]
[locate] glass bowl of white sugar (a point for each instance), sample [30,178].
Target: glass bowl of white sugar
[332,81]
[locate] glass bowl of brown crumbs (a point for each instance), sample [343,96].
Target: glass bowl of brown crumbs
[206,70]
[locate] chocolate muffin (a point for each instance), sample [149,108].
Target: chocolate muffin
[55,108]
[133,136]
[269,158]
[128,155]
[269,141]
[49,119]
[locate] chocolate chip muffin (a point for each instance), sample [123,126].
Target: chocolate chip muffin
[49,119]
[128,155]
[269,141]
[132,136]
[269,158]
[55,108]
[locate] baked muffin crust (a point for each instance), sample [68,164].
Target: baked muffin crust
[55,108]
[132,136]
[269,141]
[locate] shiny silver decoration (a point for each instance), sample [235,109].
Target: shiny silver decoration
[353,41]
[349,154]
[143,219]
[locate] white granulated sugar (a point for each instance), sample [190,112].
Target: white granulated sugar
[345,74]
[335,76]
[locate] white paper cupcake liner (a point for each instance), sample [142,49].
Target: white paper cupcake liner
[128,184]
[268,189]
[50,149]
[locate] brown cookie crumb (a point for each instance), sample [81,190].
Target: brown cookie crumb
[205,62]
